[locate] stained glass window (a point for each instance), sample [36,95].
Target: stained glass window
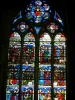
[37,51]
[58,18]
[38,11]
[44,85]
[14,53]
[60,66]
[19,16]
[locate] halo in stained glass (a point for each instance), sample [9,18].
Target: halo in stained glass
[52,27]
[37,11]
[22,27]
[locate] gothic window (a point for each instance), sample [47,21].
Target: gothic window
[37,55]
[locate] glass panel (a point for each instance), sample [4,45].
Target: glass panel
[28,52]
[29,37]
[22,27]
[45,49]
[44,85]
[44,93]
[60,93]
[60,37]
[57,17]
[12,96]
[12,88]
[27,90]
[28,62]
[38,11]
[19,16]
[52,27]
[37,29]
[59,67]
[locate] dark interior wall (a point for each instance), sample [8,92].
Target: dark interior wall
[8,12]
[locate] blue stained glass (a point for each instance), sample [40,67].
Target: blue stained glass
[44,1]
[45,68]
[38,10]
[19,16]
[30,46]
[13,29]
[37,29]
[8,97]
[28,15]
[57,17]
[50,11]
[38,3]
[45,90]
[60,93]
[46,7]
[42,9]
[44,75]
[41,82]
[31,21]
[12,89]
[61,29]
[12,97]
[27,68]
[46,15]
[45,82]
[32,1]
[37,19]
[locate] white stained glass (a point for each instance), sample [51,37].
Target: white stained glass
[60,37]
[45,37]
[15,37]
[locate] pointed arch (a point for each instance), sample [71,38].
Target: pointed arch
[14,50]
[44,85]
[28,64]
[60,66]
[27,51]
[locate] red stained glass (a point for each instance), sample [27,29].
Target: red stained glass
[14,81]
[12,35]
[37,13]
[47,82]
[60,97]
[31,92]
